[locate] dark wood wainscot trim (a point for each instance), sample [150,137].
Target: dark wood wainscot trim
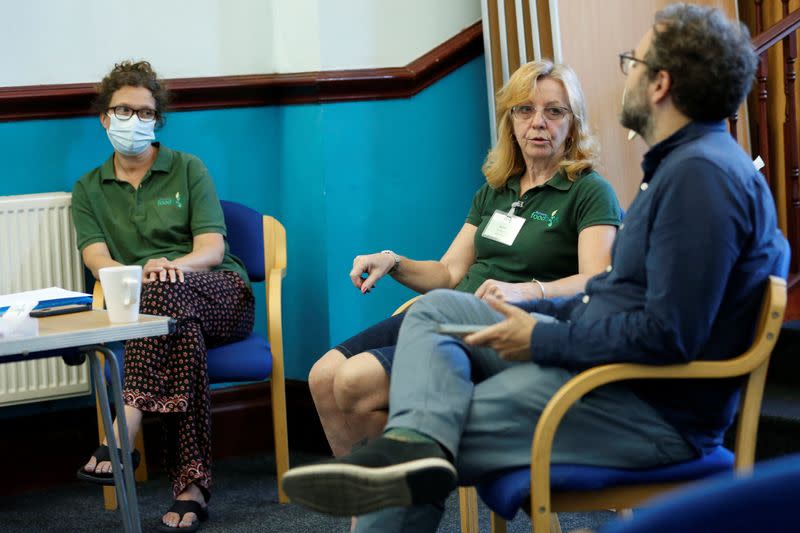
[69,100]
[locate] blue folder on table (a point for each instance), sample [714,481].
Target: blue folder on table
[50,297]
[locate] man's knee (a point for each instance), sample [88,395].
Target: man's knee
[436,304]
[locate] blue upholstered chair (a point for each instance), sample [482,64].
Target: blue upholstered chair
[568,488]
[260,242]
[763,501]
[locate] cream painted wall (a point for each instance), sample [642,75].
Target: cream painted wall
[606,28]
[53,41]
[366,33]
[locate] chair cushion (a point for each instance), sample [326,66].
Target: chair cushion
[506,493]
[764,501]
[246,360]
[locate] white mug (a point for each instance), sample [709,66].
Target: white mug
[121,288]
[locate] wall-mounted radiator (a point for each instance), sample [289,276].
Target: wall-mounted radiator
[37,250]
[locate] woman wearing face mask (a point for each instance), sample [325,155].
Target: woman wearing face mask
[156,207]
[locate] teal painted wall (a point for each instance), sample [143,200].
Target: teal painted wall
[343,178]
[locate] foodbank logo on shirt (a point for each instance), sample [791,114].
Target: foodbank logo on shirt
[551,219]
[177,201]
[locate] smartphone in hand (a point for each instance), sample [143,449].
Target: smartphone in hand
[460,330]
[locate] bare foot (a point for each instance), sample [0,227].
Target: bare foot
[103,467]
[133,419]
[193,493]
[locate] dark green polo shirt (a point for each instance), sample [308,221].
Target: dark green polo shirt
[175,201]
[546,247]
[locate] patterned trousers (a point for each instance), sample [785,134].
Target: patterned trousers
[169,374]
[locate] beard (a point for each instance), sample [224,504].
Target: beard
[635,113]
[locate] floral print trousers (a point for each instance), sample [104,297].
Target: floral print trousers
[169,374]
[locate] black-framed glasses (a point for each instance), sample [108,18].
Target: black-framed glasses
[627,59]
[551,112]
[124,112]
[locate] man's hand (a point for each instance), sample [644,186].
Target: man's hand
[510,338]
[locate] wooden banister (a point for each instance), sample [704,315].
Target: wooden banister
[782,179]
[787,25]
[790,134]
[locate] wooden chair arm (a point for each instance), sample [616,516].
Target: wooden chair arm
[406,305]
[98,299]
[274,245]
[274,310]
[757,355]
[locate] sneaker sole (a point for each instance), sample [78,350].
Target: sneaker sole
[350,490]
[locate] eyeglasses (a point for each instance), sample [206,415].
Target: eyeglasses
[124,112]
[552,113]
[627,59]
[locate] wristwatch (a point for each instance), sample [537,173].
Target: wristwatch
[396,260]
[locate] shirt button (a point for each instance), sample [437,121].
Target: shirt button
[586,298]
[643,186]
[608,268]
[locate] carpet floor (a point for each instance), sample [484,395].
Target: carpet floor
[245,500]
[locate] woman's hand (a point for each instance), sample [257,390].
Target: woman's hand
[161,269]
[374,265]
[508,292]
[511,338]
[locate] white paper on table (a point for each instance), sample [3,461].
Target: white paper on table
[16,321]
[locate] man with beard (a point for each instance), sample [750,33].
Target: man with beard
[688,272]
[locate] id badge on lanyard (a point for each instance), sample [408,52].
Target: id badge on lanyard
[504,227]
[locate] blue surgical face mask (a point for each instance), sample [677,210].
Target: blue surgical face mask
[132,136]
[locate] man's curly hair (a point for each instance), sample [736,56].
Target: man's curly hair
[710,58]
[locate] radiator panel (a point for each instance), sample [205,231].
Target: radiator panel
[38,250]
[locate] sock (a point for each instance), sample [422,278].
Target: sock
[407,435]
[410,435]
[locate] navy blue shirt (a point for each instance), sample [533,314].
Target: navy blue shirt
[688,274]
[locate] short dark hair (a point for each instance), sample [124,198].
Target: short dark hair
[710,59]
[130,74]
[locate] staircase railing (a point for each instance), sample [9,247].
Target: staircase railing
[781,36]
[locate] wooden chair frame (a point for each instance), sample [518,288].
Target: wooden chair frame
[753,363]
[275,271]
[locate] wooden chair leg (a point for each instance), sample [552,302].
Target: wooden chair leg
[468,506]
[281,433]
[498,523]
[555,525]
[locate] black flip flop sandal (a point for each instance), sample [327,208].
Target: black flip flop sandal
[102,453]
[181,507]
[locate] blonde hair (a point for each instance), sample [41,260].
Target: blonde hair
[581,148]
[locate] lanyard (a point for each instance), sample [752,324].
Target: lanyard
[514,206]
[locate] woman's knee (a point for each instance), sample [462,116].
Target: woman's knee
[361,385]
[320,378]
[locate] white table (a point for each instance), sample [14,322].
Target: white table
[82,334]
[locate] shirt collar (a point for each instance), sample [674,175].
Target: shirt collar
[558,181]
[162,163]
[688,133]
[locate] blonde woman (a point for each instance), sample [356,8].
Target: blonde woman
[563,221]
